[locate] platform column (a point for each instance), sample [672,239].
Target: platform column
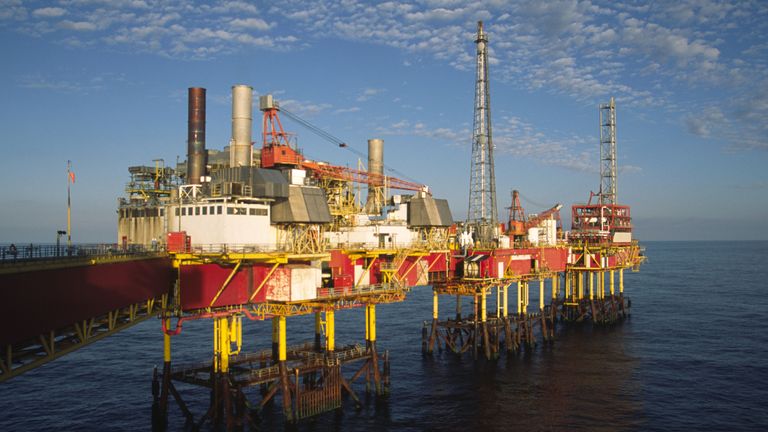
[370,321]
[484,324]
[519,297]
[580,284]
[541,295]
[527,299]
[318,331]
[505,301]
[621,282]
[160,404]
[435,312]
[507,327]
[330,331]
[591,286]
[613,289]
[282,357]
[275,339]
[221,404]
[555,287]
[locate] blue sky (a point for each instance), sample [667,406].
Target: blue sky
[103,83]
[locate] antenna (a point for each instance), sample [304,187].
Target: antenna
[482,215]
[608,153]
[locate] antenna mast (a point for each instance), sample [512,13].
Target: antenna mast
[482,215]
[608,153]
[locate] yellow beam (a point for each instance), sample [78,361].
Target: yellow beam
[367,270]
[226,282]
[541,294]
[263,281]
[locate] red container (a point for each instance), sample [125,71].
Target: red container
[178,241]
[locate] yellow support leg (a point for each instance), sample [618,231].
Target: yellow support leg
[371,324]
[580,285]
[435,305]
[555,287]
[505,302]
[282,348]
[483,312]
[591,286]
[224,344]
[216,342]
[330,330]
[621,281]
[527,296]
[519,297]
[613,289]
[167,342]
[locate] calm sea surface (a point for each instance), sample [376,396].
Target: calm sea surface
[693,356]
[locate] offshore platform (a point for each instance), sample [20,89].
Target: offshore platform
[269,234]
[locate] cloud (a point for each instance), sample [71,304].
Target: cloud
[346,110]
[704,123]
[304,108]
[252,23]
[81,84]
[49,12]
[447,135]
[368,93]
[78,25]
[646,56]
[521,139]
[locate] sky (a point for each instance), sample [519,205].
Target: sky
[103,84]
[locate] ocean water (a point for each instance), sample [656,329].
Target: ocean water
[693,356]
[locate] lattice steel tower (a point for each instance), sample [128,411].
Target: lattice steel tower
[608,153]
[482,215]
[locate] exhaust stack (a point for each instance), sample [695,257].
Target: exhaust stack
[376,167]
[240,146]
[197,158]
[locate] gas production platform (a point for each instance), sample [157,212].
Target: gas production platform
[269,234]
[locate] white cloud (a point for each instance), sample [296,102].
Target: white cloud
[304,108]
[49,12]
[78,25]
[346,110]
[368,93]
[704,123]
[252,23]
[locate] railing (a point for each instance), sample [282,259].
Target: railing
[359,290]
[25,253]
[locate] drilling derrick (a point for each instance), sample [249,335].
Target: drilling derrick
[482,216]
[608,153]
[606,221]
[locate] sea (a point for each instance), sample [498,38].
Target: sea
[693,356]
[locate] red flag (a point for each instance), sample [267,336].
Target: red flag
[72,176]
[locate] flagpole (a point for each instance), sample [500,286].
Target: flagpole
[69,208]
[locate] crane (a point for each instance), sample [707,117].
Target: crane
[278,151]
[518,224]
